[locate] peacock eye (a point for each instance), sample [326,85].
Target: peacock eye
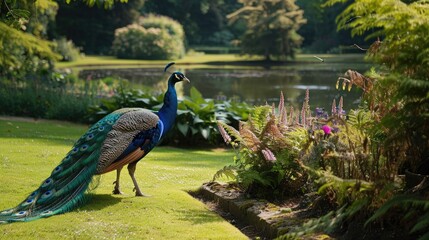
[75,150]
[47,182]
[90,136]
[20,214]
[46,212]
[84,147]
[177,76]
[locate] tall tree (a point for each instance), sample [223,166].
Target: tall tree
[272,27]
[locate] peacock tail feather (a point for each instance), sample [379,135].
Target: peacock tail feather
[64,189]
[123,137]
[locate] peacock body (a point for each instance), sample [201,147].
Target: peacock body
[121,138]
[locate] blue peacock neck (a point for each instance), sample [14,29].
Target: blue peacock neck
[168,111]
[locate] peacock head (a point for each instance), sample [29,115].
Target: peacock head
[178,77]
[175,76]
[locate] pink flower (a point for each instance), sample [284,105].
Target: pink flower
[268,155]
[326,129]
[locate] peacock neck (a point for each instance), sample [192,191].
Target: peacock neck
[168,111]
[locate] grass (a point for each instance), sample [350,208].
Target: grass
[29,151]
[204,60]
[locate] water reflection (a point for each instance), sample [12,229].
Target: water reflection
[255,86]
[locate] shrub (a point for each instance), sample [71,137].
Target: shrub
[59,98]
[152,38]
[173,27]
[66,49]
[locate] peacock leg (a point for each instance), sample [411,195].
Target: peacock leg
[131,170]
[117,189]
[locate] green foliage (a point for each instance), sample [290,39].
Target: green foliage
[271,27]
[328,223]
[100,3]
[399,25]
[196,116]
[228,171]
[23,53]
[152,38]
[415,210]
[398,98]
[204,21]
[58,99]
[267,148]
[67,50]
[173,28]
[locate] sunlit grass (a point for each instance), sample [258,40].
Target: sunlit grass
[30,150]
[204,60]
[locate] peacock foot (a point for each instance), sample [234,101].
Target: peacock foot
[117,191]
[140,194]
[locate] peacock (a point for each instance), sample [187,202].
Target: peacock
[121,138]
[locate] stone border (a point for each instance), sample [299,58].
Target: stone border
[268,219]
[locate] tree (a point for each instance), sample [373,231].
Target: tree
[272,27]
[204,21]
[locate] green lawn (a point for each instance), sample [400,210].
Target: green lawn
[30,150]
[205,60]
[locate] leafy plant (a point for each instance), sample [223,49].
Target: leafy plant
[196,116]
[267,149]
[415,213]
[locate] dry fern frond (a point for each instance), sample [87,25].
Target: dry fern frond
[249,139]
[355,78]
[272,130]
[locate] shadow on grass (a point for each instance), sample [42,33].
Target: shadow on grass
[96,202]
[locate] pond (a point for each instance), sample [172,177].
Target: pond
[255,85]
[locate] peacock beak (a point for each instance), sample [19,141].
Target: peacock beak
[186,79]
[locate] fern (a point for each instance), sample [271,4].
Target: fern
[227,171]
[414,205]
[259,118]
[266,147]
